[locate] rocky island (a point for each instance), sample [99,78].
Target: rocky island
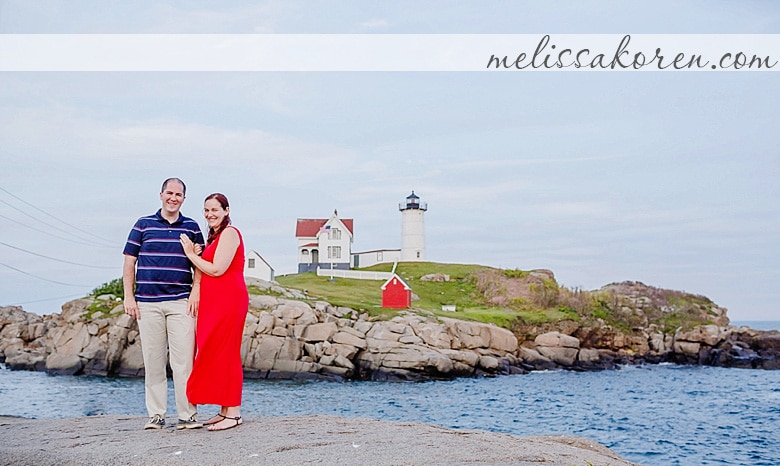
[292,336]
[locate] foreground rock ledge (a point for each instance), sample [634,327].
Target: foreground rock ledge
[118,440]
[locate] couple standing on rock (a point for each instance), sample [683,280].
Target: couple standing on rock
[195,317]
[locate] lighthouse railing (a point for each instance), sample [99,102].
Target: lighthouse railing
[408,206]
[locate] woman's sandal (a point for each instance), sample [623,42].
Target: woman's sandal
[236,419]
[217,418]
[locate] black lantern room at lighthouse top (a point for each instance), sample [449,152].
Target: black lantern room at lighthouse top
[413,202]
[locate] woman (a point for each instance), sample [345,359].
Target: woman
[217,374]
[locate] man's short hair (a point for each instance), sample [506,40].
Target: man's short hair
[165,183]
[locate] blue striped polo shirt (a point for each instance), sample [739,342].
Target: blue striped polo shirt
[163,272]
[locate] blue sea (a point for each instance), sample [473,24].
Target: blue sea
[654,415]
[758,324]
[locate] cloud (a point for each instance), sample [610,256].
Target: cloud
[84,141]
[373,24]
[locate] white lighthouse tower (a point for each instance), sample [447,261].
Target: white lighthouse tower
[412,229]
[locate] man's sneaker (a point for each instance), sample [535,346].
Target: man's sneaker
[155,422]
[190,423]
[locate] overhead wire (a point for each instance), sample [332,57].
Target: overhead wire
[55,259]
[39,220]
[44,279]
[16,222]
[50,215]
[71,236]
[70,296]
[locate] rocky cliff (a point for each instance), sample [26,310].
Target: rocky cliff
[288,336]
[283,338]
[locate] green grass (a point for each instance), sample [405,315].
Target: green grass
[549,303]
[356,294]
[114,287]
[460,290]
[366,295]
[104,307]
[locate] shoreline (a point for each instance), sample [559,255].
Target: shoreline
[323,439]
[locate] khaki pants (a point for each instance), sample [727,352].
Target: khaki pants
[166,328]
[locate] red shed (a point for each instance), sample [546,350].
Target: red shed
[396,293]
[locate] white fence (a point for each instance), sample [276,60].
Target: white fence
[356,274]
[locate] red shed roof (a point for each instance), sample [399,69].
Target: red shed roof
[395,276]
[309,227]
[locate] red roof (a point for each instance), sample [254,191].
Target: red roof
[395,276]
[309,227]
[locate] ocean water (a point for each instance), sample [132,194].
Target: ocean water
[654,415]
[758,324]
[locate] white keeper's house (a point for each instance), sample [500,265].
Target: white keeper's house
[327,243]
[324,243]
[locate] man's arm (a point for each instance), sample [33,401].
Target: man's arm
[194,300]
[128,282]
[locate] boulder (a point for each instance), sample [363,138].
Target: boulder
[556,340]
[63,364]
[348,338]
[320,332]
[435,277]
[263,302]
[339,349]
[488,363]
[534,360]
[687,348]
[709,335]
[18,358]
[382,331]
[768,342]
[502,339]
[560,355]
[589,356]
[436,335]
[131,362]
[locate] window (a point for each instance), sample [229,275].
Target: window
[334,252]
[379,256]
[334,233]
[251,263]
[305,252]
[418,254]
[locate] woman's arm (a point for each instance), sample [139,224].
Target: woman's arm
[223,256]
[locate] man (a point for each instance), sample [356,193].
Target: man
[165,302]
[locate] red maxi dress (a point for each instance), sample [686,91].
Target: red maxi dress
[217,375]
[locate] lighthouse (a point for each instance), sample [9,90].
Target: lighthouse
[412,229]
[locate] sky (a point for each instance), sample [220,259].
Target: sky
[668,178]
